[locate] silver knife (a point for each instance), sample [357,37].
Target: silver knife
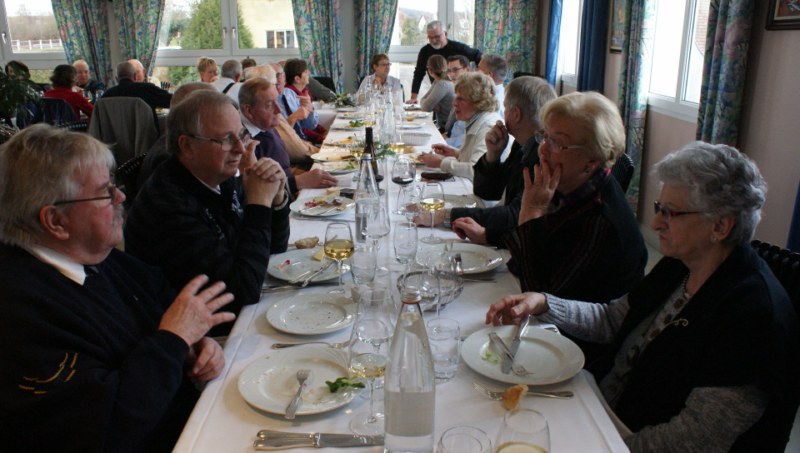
[278,440]
[517,333]
[506,358]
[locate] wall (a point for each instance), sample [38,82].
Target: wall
[768,130]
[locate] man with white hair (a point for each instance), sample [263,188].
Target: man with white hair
[84,81]
[438,44]
[229,80]
[138,68]
[496,68]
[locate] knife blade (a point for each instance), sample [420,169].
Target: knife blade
[506,359]
[277,440]
[516,340]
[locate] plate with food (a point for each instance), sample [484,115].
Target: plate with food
[342,167]
[412,115]
[312,314]
[322,206]
[548,357]
[411,107]
[351,125]
[331,155]
[408,126]
[294,264]
[475,258]
[352,115]
[270,382]
[347,109]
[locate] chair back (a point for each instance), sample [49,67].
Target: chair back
[127,176]
[785,264]
[622,170]
[57,111]
[126,123]
[327,82]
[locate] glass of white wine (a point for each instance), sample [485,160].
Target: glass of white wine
[367,356]
[338,247]
[523,431]
[431,200]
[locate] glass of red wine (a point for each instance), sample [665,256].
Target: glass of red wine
[404,171]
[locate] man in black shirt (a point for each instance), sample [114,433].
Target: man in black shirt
[438,44]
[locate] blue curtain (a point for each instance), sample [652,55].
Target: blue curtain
[375,19]
[319,36]
[553,35]
[593,47]
[635,72]
[83,25]
[724,70]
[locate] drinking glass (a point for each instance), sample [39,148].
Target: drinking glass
[405,244]
[378,227]
[464,439]
[338,246]
[444,335]
[408,201]
[367,356]
[363,264]
[404,171]
[523,430]
[432,200]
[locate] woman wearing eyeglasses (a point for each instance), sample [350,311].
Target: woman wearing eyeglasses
[703,353]
[379,80]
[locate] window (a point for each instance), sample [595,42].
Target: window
[569,41]
[677,57]
[223,29]
[30,34]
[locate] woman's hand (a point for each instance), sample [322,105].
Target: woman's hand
[445,150]
[512,308]
[538,193]
[431,160]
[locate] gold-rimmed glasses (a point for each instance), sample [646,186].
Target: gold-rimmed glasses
[543,137]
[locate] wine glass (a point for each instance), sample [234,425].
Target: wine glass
[408,201]
[405,244]
[432,200]
[372,329]
[338,247]
[404,171]
[378,226]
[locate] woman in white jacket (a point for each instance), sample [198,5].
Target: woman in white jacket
[474,104]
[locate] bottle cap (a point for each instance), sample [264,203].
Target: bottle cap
[411,297]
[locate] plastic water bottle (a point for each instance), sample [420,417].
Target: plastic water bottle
[410,397]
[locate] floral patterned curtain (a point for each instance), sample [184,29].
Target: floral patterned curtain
[635,73]
[138,31]
[375,19]
[83,25]
[508,28]
[319,36]
[724,68]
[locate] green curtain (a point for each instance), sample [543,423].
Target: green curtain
[319,36]
[375,19]
[508,28]
[724,69]
[634,77]
[83,25]
[138,32]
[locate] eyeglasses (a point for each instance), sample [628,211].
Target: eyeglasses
[543,137]
[667,214]
[385,64]
[227,143]
[452,70]
[112,193]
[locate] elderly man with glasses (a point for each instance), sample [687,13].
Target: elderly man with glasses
[438,44]
[99,354]
[211,207]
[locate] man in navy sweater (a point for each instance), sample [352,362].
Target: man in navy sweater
[98,353]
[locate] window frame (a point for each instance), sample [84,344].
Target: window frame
[676,106]
[566,78]
[408,54]
[41,60]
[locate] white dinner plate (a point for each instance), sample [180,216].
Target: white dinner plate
[347,109]
[409,126]
[550,357]
[331,155]
[352,115]
[301,261]
[347,141]
[418,114]
[270,382]
[460,201]
[346,127]
[325,210]
[474,258]
[312,314]
[342,167]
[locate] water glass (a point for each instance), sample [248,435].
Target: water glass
[444,336]
[405,244]
[464,439]
[523,430]
[363,264]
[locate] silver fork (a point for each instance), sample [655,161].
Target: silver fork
[340,345]
[498,395]
[291,409]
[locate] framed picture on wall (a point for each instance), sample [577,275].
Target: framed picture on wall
[783,15]
[617,26]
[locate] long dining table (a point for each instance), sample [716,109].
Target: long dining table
[222,421]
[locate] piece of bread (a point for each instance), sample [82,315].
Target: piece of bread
[513,395]
[306,243]
[319,255]
[333,191]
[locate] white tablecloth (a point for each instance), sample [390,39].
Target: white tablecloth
[223,422]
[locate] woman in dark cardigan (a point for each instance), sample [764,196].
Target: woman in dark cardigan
[705,350]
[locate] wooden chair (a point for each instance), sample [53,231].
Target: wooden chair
[785,264]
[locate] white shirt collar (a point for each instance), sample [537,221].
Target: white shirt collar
[64,264]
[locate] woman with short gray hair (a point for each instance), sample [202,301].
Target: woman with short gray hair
[703,352]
